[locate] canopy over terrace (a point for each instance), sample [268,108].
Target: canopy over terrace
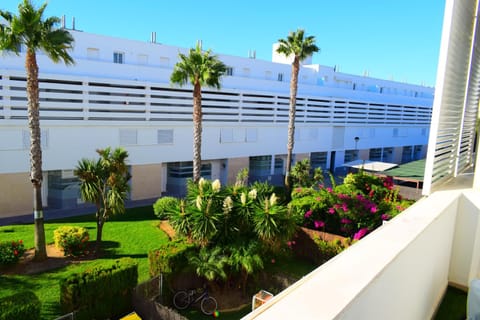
[410,172]
[368,165]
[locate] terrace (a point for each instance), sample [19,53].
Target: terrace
[402,270]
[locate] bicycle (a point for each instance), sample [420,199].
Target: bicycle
[184,299]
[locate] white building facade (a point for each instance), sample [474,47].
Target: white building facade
[118,94]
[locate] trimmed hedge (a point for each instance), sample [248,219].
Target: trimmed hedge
[169,258]
[100,293]
[21,305]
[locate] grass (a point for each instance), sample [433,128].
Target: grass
[453,306]
[132,234]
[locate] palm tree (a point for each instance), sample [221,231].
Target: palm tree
[199,69]
[209,263]
[300,47]
[31,30]
[104,182]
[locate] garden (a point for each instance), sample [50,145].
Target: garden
[235,240]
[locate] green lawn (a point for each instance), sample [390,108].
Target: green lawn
[132,234]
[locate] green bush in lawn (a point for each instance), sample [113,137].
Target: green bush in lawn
[72,240]
[164,206]
[102,292]
[168,258]
[21,305]
[11,251]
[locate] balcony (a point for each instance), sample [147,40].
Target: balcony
[399,271]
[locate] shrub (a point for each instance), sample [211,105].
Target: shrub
[11,251]
[72,240]
[164,206]
[169,258]
[21,305]
[329,249]
[104,292]
[352,209]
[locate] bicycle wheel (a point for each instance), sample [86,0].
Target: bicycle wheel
[208,305]
[181,300]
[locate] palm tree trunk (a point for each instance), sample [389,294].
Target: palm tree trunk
[35,153]
[291,124]
[197,132]
[98,243]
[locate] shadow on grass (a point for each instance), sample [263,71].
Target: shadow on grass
[16,282]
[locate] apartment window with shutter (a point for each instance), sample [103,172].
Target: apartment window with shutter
[118,57]
[229,71]
[165,136]
[128,137]
[280,77]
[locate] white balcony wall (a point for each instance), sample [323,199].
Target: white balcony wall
[400,271]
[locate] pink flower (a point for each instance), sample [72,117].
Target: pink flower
[331,211]
[385,216]
[399,208]
[362,232]
[329,189]
[346,221]
[344,207]
[373,209]
[318,224]
[318,198]
[308,214]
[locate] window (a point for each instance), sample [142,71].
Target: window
[164,61]
[375,154]
[407,154]
[142,59]
[318,160]
[229,71]
[93,53]
[260,166]
[165,136]
[280,77]
[350,155]
[128,137]
[118,57]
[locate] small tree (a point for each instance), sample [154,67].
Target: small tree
[302,175]
[104,182]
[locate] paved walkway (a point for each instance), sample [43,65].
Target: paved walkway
[52,214]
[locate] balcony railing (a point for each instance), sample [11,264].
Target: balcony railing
[399,271]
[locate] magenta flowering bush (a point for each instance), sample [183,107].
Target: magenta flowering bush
[352,209]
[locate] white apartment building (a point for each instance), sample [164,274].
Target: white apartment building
[118,94]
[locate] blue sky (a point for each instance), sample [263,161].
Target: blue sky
[392,39]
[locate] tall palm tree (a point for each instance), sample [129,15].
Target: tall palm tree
[300,47]
[200,69]
[30,29]
[104,182]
